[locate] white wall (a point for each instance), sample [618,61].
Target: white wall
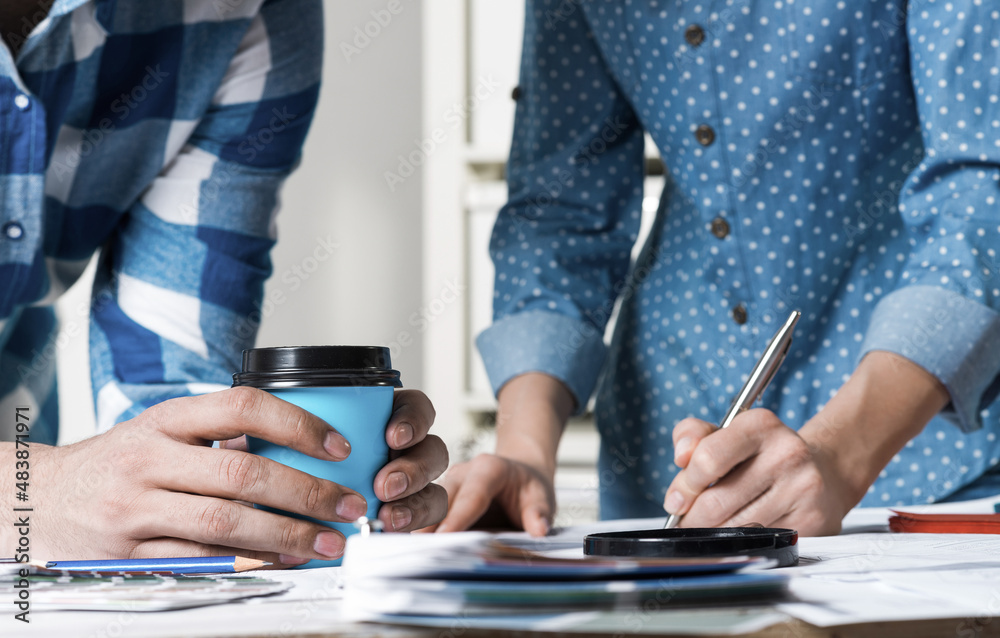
[369,285]
[369,113]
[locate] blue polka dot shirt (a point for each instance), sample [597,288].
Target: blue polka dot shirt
[840,158]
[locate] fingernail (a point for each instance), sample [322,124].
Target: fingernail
[684,445]
[403,435]
[329,544]
[401,517]
[351,507]
[285,559]
[337,446]
[675,501]
[395,485]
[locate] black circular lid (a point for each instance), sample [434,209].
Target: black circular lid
[776,543]
[316,366]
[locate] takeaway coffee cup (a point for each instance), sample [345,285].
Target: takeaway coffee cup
[349,387]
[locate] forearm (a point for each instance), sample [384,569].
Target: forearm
[533,410]
[885,403]
[21,471]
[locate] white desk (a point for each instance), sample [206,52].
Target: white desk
[853,585]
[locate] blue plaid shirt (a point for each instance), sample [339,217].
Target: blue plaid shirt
[841,158]
[160,133]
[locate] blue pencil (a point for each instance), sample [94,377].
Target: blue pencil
[194,565]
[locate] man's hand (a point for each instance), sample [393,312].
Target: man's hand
[410,500]
[153,486]
[758,469]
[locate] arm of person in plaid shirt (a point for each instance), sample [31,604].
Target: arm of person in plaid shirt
[176,299]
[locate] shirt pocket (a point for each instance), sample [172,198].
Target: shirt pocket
[829,43]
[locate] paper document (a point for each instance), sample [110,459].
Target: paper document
[474,573]
[52,590]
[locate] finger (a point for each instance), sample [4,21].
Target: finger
[451,481]
[536,520]
[712,459]
[796,503]
[243,410]
[471,498]
[687,434]
[236,475]
[171,547]
[216,521]
[742,495]
[412,471]
[536,511]
[412,416]
[239,443]
[426,507]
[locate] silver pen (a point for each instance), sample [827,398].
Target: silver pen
[763,372]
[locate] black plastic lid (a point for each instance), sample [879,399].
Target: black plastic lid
[316,366]
[776,543]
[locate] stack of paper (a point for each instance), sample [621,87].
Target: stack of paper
[474,573]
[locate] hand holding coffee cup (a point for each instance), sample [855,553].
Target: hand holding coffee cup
[391,459]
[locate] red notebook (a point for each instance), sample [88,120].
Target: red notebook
[944,523]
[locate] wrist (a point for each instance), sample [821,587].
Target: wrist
[21,474]
[885,403]
[532,412]
[8,539]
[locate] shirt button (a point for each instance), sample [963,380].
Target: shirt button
[740,314]
[13,231]
[516,93]
[705,135]
[720,228]
[22,102]
[694,35]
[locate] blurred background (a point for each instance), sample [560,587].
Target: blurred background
[384,228]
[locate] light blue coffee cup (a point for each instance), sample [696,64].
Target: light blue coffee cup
[349,387]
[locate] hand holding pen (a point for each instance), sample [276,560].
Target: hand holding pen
[757,470]
[761,375]
[761,470]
